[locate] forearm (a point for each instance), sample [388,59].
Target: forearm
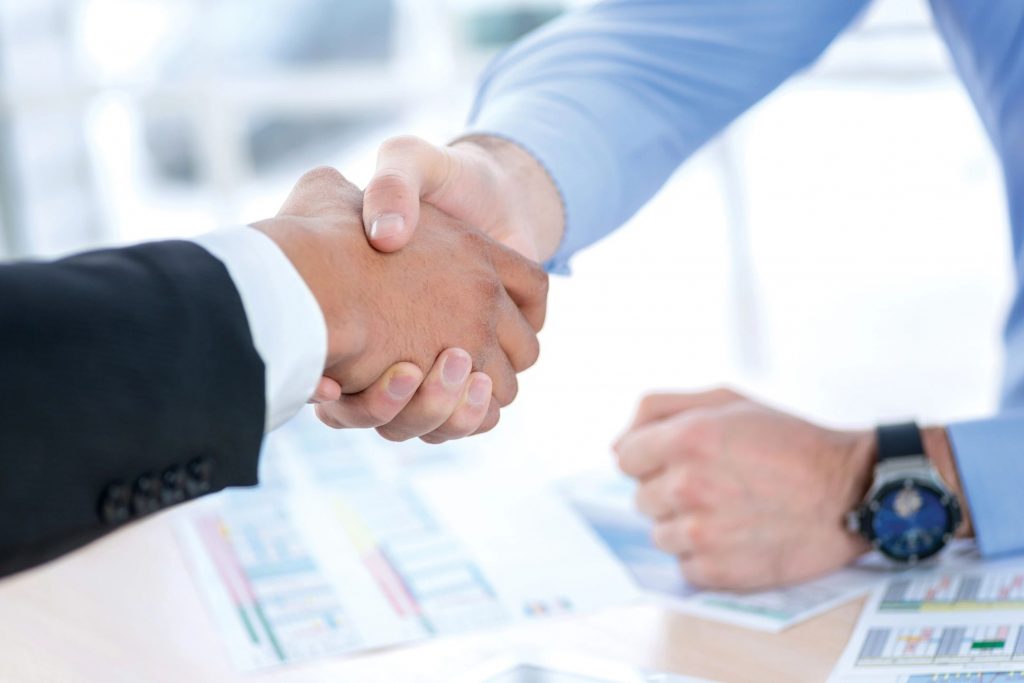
[610,100]
[165,401]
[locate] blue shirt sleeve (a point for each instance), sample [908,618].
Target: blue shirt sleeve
[990,462]
[611,99]
[985,41]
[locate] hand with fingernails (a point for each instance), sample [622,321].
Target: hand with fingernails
[453,301]
[487,183]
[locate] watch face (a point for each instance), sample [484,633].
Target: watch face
[911,519]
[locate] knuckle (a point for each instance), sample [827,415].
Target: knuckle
[325,416]
[323,174]
[507,392]
[390,433]
[698,537]
[682,487]
[376,413]
[530,354]
[473,239]
[725,392]
[661,534]
[399,144]
[388,181]
[490,422]
[695,432]
[491,289]
[542,282]
[462,423]
[648,404]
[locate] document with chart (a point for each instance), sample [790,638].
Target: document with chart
[963,621]
[350,545]
[606,503]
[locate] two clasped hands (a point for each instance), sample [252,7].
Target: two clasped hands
[422,342]
[433,297]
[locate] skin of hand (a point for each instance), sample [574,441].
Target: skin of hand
[745,496]
[489,183]
[484,181]
[454,300]
[748,497]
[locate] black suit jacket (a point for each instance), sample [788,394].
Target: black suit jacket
[128,383]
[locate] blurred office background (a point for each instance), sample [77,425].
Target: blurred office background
[841,251]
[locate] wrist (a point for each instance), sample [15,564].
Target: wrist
[940,454]
[328,260]
[859,458]
[532,199]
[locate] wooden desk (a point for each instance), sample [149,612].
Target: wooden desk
[127,609]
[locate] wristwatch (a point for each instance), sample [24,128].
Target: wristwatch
[909,513]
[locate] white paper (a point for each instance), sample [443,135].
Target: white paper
[962,620]
[607,505]
[351,546]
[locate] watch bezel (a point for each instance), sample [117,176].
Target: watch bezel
[866,515]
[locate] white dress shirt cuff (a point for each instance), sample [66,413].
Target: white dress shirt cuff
[286,323]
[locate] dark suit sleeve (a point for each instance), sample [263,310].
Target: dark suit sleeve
[128,383]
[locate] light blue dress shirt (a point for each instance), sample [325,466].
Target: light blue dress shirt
[612,99]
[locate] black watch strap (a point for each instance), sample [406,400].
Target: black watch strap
[898,441]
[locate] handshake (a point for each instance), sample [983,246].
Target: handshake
[429,317]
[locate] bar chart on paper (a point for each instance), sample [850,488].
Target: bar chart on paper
[917,645]
[285,609]
[970,677]
[347,551]
[420,565]
[956,591]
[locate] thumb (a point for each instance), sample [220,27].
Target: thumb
[408,169]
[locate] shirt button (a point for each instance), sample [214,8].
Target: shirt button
[146,496]
[174,482]
[114,503]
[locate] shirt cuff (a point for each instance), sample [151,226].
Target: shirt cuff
[285,320]
[576,163]
[990,462]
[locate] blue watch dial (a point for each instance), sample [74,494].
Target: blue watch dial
[911,519]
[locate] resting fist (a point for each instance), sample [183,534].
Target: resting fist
[747,497]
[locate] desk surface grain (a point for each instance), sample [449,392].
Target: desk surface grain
[127,609]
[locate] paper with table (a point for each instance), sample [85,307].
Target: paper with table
[961,621]
[352,544]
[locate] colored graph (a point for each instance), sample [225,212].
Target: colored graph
[287,609]
[973,677]
[967,591]
[418,564]
[977,643]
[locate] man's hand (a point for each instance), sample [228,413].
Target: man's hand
[747,497]
[451,289]
[486,182]
[489,183]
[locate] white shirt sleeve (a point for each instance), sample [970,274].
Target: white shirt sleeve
[285,320]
